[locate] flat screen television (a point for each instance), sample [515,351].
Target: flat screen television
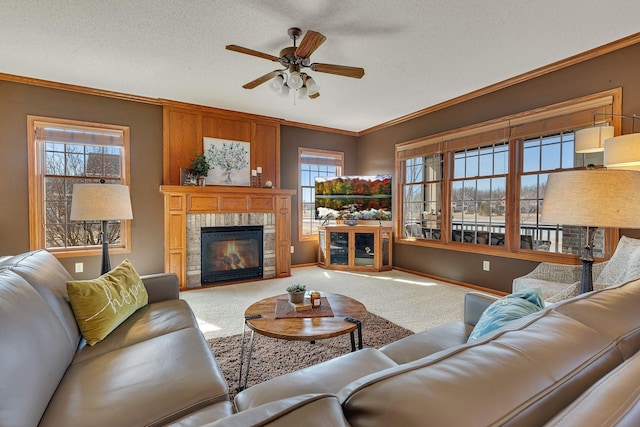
[353,197]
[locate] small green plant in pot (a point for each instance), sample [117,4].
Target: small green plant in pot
[296,293]
[200,167]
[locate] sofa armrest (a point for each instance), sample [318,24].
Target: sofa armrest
[475,303]
[161,286]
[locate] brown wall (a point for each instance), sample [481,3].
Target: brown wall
[145,121]
[290,139]
[376,150]
[372,153]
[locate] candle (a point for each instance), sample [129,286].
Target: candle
[259,169]
[253,172]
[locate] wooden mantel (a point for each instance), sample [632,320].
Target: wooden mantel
[182,200]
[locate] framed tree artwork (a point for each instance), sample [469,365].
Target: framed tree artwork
[230,162]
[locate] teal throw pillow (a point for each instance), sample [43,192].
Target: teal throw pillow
[506,309]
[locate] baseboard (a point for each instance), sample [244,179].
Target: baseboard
[309,264]
[453,282]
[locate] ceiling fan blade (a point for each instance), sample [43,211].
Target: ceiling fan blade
[251,52]
[340,70]
[260,80]
[311,41]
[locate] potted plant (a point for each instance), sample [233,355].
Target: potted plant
[200,167]
[296,293]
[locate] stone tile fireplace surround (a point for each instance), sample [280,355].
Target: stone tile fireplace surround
[187,209]
[197,221]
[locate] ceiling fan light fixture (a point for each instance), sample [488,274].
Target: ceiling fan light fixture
[294,59]
[277,83]
[312,86]
[284,92]
[295,80]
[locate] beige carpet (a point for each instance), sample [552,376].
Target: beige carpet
[410,301]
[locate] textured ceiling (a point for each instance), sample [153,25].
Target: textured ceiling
[415,53]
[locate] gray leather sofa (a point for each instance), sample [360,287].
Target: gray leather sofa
[576,363]
[154,369]
[549,364]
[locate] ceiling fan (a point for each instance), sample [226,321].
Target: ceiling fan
[294,59]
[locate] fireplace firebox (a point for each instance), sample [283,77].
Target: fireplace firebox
[231,253]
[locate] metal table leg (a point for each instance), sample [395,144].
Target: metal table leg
[353,341]
[242,341]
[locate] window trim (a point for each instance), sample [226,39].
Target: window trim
[37,239]
[302,150]
[473,136]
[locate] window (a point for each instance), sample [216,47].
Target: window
[423,197]
[313,163]
[61,154]
[481,188]
[478,194]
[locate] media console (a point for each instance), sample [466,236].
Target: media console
[358,247]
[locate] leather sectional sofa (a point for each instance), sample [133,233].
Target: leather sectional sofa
[154,369]
[574,363]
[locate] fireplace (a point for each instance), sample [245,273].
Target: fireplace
[231,253]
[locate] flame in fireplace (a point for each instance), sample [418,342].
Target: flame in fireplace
[233,255]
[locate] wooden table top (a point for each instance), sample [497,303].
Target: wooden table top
[306,328]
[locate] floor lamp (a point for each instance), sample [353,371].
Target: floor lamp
[592,198]
[101,202]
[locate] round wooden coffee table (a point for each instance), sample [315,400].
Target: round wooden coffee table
[260,317]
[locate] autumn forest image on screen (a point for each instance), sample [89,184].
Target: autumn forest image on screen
[353,197]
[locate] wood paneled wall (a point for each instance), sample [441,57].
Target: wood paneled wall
[185,125]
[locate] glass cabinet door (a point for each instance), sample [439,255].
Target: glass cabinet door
[364,246]
[338,248]
[322,257]
[385,241]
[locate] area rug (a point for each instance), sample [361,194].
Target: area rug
[273,357]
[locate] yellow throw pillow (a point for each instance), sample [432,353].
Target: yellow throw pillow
[101,304]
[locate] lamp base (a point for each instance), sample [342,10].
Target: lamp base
[586,282]
[106,263]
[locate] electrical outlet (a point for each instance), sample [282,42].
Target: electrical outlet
[79,267]
[293,249]
[486,266]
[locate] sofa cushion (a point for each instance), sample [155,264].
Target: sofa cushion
[101,304]
[152,320]
[325,377]
[49,278]
[34,352]
[614,400]
[427,342]
[205,415]
[506,309]
[612,311]
[301,410]
[148,384]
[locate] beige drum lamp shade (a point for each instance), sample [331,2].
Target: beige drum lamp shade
[100,202]
[622,151]
[593,198]
[591,140]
